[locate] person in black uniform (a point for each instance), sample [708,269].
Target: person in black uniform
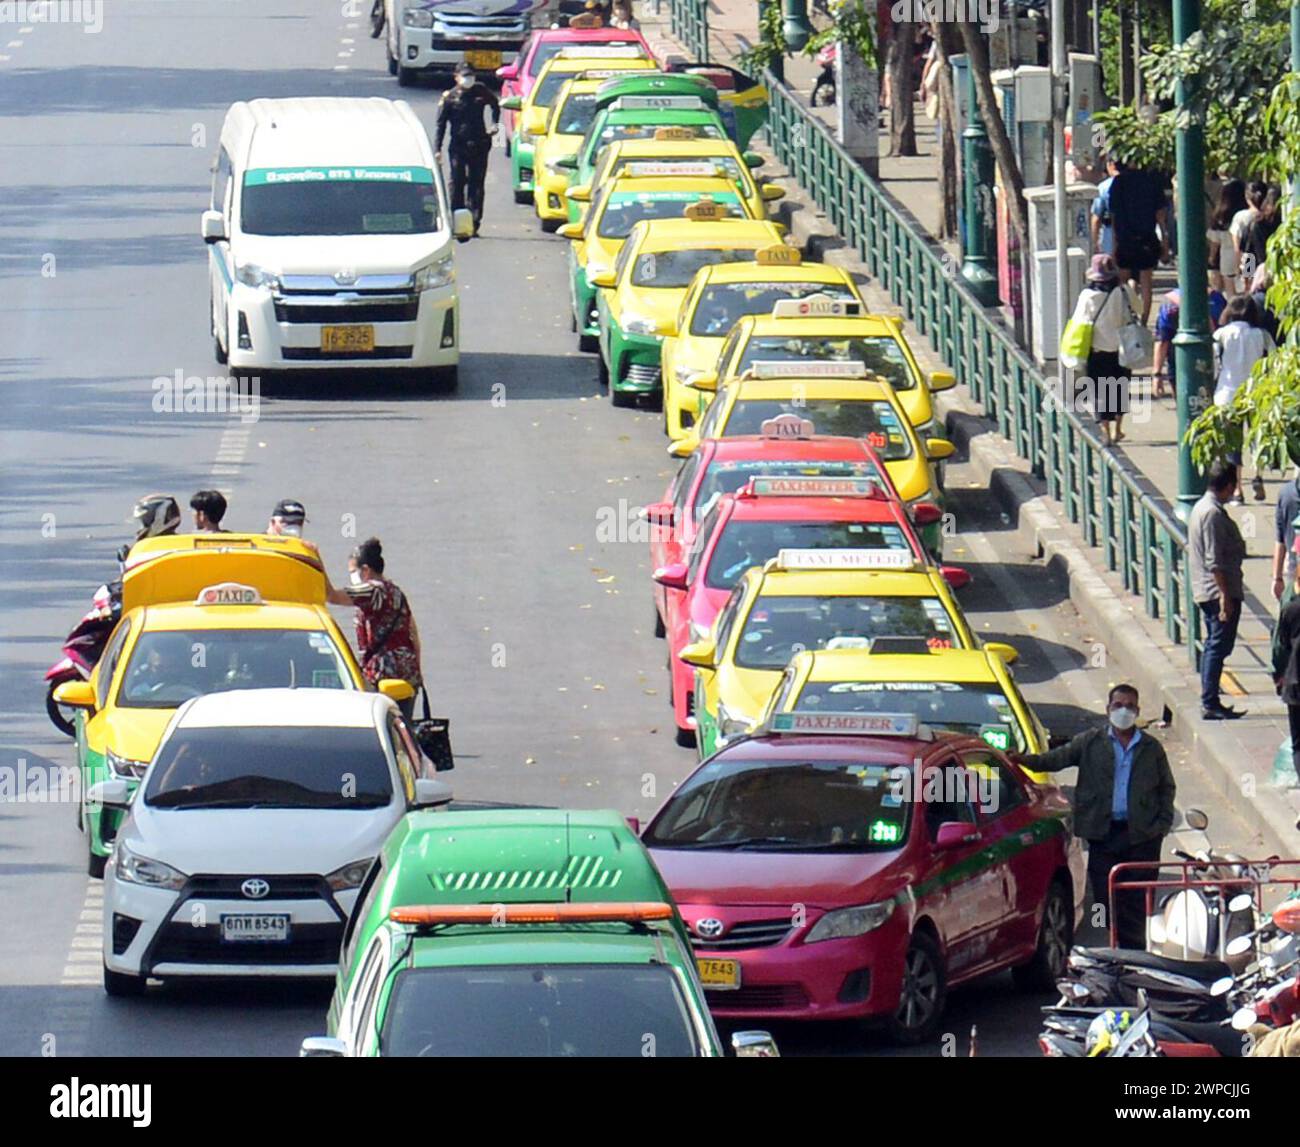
[461,116]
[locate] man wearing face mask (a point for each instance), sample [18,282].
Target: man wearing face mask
[1123,803]
[461,115]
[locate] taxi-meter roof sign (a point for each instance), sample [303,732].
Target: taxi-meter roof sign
[862,559]
[847,724]
[816,306]
[797,368]
[821,486]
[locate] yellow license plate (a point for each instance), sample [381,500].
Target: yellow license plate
[348,339]
[719,973]
[481,61]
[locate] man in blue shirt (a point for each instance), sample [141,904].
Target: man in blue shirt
[1123,804]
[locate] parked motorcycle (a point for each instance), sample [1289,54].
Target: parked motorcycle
[81,651]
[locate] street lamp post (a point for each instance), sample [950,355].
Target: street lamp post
[981,218]
[1193,354]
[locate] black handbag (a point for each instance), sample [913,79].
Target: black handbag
[433,735]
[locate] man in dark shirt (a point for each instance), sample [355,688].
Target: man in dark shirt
[1215,553]
[1284,529]
[1137,209]
[461,117]
[1286,661]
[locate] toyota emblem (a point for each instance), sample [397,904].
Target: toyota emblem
[345,277]
[255,888]
[709,928]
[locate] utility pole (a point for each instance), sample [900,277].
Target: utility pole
[981,217]
[1193,354]
[1060,98]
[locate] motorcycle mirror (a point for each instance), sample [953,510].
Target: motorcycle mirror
[1222,986]
[1195,818]
[1240,946]
[1243,1019]
[1241,902]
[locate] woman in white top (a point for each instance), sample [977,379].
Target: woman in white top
[1106,304]
[1239,343]
[1223,248]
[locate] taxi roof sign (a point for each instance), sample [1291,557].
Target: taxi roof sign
[598,73]
[602,52]
[228,593]
[794,368]
[678,133]
[659,103]
[816,306]
[704,211]
[847,724]
[787,426]
[665,168]
[861,559]
[778,255]
[819,486]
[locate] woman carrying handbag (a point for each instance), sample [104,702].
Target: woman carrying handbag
[1104,310]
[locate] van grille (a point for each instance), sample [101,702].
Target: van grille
[347,308]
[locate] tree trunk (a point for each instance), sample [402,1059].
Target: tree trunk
[902,84]
[949,44]
[1013,183]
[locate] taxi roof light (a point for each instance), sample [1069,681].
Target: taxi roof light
[845,559]
[704,210]
[849,724]
[602,52]
[229,593]
[816,306]
[655,103]
[779,255]
[793,368]
[819,486]
[787,426]
[676,132]
[632,912]
[669,169]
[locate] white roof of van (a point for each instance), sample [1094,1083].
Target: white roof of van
[320,708]
[308,131]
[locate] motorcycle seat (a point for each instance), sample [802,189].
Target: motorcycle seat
[1226,1041]
[1207,971]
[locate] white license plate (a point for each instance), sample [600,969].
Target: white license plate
[256,927]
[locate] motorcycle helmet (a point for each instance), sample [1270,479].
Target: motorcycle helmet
[156,515]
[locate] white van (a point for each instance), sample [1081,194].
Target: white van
[330,240]
[433,36]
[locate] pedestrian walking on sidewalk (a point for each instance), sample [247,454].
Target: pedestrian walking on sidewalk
[1101,223]
[1123,803]
[1240,341]
[1242,222]
[1215,553]
[1162,368]
[1138,210]
[1285,521]
[1223,249]
[1104,304]
[1286,659]
[620,16]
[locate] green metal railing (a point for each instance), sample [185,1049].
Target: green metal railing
[1138,536]
[690,26]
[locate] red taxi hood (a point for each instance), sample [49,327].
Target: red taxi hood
[831,880]
[704,603]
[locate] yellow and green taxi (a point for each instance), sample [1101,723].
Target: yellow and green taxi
[954,690]
[814,330]
[566,124]
[719,297]
[837,398]
[201,613]
[592,62]
[811,599]
[637,302]
[518,933]
[674,145]
[619,205]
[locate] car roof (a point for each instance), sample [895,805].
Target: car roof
[848,583]
[814,747]
[964,666]
[701,184]
[320,130]
[822,448]
[653,149]
[757,273]
[683,234]
[864,389]
[868,326]
[658,117]
[270,615]
[587,35]
[319,708]
[814,508]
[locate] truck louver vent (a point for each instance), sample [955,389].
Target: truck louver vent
[580,872]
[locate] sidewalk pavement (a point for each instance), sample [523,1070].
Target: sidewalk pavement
[1238,755]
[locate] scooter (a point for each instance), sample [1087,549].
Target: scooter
[81,651]
[1194,922]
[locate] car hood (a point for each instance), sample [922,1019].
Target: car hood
[722,878]
[352,254]
[130,733]
[258,841]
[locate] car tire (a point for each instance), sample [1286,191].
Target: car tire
[220,353]
[392,61]
[68,728]
[522,197]
[551,226]
[924,993]
[1055,936]
[660,631]
[406,77]
[120,985]
[95,865]
[621,397]
[602,372]
[588,344]
[683,737]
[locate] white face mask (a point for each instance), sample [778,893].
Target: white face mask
[354,576]
[465,82]
[1123,718]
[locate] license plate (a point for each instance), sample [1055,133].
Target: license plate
[719,974]
[482,60]
[262,927]
[356,338]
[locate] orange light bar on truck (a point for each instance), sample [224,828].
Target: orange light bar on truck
[593,913]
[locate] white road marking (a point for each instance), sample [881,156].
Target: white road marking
[14,44]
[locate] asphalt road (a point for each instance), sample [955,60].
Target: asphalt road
[537,634]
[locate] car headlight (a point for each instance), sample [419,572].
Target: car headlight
[436,274]
[251,275]
[350,875]
[639,325]
[417,18]
[136,869]
[732,724]
[846,922]
[123,767]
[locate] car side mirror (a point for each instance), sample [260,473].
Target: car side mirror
[604,279]
[660,514]
[936,449]
[581,193]
[942,380]
[754,1045]
[108,794]
[684,447]
[534,122]
[705,380]
[770,192]
[671,576]
[926,514]
[76,694]
[955,576]
[753,160]
[702,654]
[508,72]
[567,162]
[1009,653]
[510,103]
[322,1047]
[570,231]
[212,226]
[462,224]
[429,792]
[954,834]
[395,689]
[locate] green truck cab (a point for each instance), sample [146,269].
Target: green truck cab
[518,932]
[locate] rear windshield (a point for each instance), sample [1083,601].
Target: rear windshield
[746,544]
[728,477]
[171,666]
[626,209]
[577,114]
[722,305]
[873,420]
[882,354]
[270,767]
[539,1011]
[339,201]
[677,268]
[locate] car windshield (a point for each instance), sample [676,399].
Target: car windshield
[746,544]
[171,666]
[261,766]
[538,1011]
[626,209]
[722,305]
[728,477]
[779,627]
[577,114]
[784,806]
[883,355]
[319,201]
[871,419]
[677,268]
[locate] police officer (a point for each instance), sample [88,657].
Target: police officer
[461,115]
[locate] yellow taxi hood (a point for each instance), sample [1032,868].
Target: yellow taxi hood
[130,733]
[748,690]
[276,570]
[697,352]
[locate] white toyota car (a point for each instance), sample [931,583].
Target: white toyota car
[250,832]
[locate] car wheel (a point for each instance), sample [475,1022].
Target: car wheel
[602,372]
[1055,935]
[924,993]
[550,226]
[119,985]
[405,77]
[219,352]
[588,344]
[660,631]
[621,397]
[684,737]
[522,197]
[95,865]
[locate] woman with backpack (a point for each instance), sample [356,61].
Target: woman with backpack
[1105,306]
